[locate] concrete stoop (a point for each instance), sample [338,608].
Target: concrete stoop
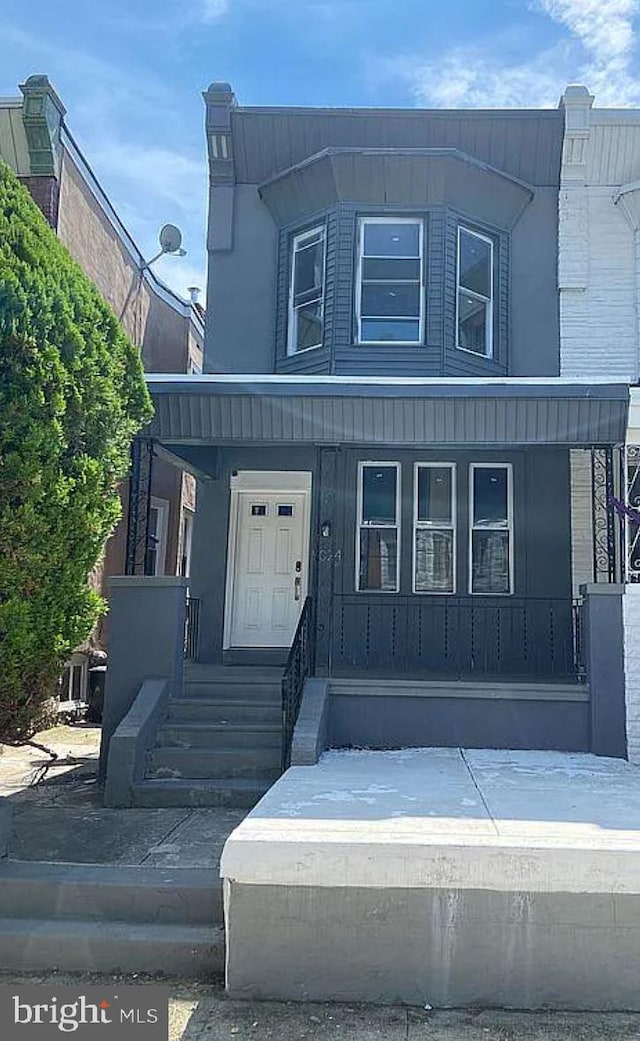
[108,918]
[219,744]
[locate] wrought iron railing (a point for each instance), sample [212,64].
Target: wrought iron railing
[191,628]
[300,664]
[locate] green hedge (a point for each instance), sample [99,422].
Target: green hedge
[72,396]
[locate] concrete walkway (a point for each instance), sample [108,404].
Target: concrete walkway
[202,1012]
[62,819]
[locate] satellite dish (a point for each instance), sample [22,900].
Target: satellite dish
[170,238]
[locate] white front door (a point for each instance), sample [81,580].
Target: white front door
[270,567]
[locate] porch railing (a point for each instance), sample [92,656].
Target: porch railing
[455,636]
[300,664]
[192,628]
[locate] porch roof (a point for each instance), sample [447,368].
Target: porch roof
[224,409]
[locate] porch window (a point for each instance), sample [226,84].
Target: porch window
[306,291]
[474,320]
[390,297]
[434,528]
[491,528]
[378,527]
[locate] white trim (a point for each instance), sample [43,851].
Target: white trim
[162,506]
[273,482]
[363,221]
[427,527]
[73,704]
[509,526]
[318,229]
[394,527]
[478,296]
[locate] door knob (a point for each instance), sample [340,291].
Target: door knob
[296,587]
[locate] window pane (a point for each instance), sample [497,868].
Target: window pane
[490,562]
[308,326]
[391,269]
[380,330]
[309,264]
[434,494]
[379,494]
[434,561]
[472,323]
[378,558]
[475,264]
[379,300]
[392,240]
[490,496]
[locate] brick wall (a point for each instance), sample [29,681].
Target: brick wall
[597,287]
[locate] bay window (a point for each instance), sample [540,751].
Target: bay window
[389,289]
[306,291]
[378,534]
[474,299]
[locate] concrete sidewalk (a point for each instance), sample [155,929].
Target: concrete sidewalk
[62,819]
[202,1012]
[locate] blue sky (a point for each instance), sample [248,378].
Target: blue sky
[131,73]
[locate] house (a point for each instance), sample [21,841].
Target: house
[37,144]
[401,489]
[599,275]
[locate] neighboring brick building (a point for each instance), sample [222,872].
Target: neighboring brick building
[37,145]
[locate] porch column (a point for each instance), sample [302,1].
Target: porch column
[326,557]
[139,506]
[602,624]
[146,641]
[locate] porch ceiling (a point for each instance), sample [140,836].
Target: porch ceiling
[215,409]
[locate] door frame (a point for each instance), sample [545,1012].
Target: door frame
[272,482]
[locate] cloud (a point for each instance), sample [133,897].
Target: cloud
[211,10]
[597,47]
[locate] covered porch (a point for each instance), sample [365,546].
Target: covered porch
[425,607]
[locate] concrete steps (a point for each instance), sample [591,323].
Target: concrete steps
[214,761]
[256,713]
[220,743]
[240,792]
[107,918]
[198,735]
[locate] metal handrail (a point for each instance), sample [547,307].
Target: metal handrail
[191,628]
[300,664]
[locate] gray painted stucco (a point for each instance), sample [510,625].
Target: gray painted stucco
[132,739]
[5,825]
[241,291]
[602,632]
[454,722]
[146,641]
[311,733]
[450,947]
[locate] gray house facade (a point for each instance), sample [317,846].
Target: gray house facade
[395,485]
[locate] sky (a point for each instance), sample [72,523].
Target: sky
[131,75]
